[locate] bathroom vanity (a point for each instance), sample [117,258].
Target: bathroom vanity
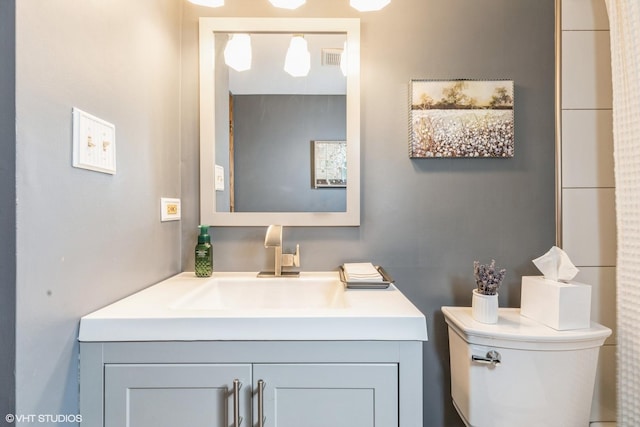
[237,350]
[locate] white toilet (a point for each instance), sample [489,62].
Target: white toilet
[519,372]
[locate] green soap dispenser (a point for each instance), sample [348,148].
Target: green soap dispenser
[204,254]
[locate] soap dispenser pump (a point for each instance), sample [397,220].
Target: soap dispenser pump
[204,254]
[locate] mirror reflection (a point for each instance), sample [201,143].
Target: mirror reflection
[274,118]
[260,128]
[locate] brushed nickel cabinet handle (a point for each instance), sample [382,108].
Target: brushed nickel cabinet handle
[237,419]
[261,418]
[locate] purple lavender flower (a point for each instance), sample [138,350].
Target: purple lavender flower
[488,280]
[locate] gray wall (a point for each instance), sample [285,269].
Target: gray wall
[425,221]
[86,239]
[7,207]
[281,127]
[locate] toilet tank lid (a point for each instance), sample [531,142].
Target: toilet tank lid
[520,332]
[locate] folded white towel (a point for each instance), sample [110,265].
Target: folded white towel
[361,272]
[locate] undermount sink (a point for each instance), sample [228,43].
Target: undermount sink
[278,293]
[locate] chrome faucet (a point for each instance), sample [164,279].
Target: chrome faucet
[273,239]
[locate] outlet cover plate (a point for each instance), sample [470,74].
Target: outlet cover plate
[219,178]
[94,143]
[170,209]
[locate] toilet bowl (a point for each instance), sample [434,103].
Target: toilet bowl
[519,372]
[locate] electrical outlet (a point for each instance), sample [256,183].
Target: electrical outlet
[219,178]
[170,209]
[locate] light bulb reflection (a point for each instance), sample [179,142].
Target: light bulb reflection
[237,53]
[343,60]
[298,59]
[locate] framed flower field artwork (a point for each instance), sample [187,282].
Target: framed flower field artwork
[461,118]
[329,164]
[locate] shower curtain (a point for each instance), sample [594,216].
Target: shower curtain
[624,24]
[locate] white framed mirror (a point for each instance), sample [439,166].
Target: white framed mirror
[238,156]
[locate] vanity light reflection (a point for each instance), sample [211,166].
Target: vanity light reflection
[298,60]
[237,54]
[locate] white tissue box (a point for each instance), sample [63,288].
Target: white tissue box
[559,305]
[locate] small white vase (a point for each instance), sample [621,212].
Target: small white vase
[484,308]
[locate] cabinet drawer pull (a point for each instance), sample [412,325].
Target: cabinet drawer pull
[261,418]
[237,419]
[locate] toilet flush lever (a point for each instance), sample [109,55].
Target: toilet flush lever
[492,358]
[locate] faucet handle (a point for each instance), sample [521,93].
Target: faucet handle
[292,260]
[296,256]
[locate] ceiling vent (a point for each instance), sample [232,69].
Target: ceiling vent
[331,57]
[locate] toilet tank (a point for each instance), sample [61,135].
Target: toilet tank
[544,377]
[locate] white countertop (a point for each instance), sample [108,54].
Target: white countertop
[158,313]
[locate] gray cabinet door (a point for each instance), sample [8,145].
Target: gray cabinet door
[328,395]
[169,395]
